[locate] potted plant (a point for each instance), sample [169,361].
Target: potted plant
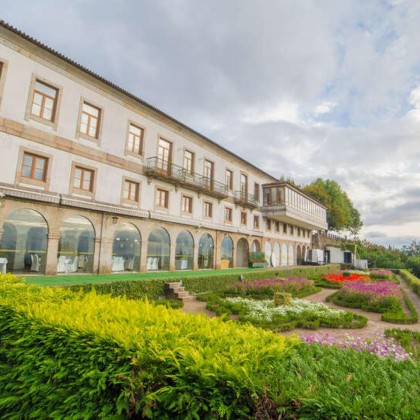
[224,262]
[257,259]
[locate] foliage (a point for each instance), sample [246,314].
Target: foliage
[300,313]
[380,346]
[257,256]
[410,340]
[341,214]
[282,299]
[380,256]
[265,289]
[413,263]
[88,356]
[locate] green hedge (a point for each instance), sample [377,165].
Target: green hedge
[412,280]
[155,288]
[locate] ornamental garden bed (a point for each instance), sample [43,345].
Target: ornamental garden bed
[336,280]
[384,297]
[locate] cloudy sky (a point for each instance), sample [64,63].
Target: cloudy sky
[300,88]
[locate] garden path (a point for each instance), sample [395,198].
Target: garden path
[374,326]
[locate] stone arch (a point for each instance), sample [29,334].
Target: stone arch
[242,253]
[206,251]
[227,252]
[158,250]
[126,247]
[291,256]
[284,258]
[184,251]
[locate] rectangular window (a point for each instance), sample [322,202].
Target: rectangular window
[284,227]
[186,205]
[131,190]
[243,218]
[268,224]
[229,179]
[277,227]
[256,222]
[44,101]
[164,155]
[208,209]
[298,231]
[291,229]
[83,179]
[208,173]
[162,198]
[34,167]
[244,184]
[89,120]
[228,215]
[135,140]
[257,191]
[188,162]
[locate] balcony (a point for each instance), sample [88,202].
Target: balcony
[287,204]
[178,176]
[246,200]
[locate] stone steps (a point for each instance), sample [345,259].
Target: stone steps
[176,291]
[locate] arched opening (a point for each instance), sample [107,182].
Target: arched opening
[206,251]
[158,250]
[126,248]
[291,259]
[299,260]
[242,253]
[256,247]
[303,254]
[184,251]
[275,256]
[267,251]
[283,255]
[24,242]
[76,246]
[227,253]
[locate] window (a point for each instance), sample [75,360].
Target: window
[89,120]
[244,184]
[256,222]
[83,179]
[208,172]
[228,215]
[188,162]
[268,224]
[284,227]
[243,218]
[34,167]
[135,140]
[162,198]
[3,69]
[298,231]
[229,179]
[277,226]
[257,191]
[208,209]
[131,190]
[164,154]
[291,229]
[44,101]
[186,204]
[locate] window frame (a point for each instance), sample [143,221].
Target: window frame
[3,71]
[188,208]
[79,133]
[128,201]
[256,222]
[129,152]
[80,191]
[244,218]
[228,212]
[190,170]
[210,206]
[24,180]
[230,183]
[53,123]
[157,203]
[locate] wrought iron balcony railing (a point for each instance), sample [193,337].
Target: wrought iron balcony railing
[245,199]
[159,168]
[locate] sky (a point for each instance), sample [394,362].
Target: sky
[300,88]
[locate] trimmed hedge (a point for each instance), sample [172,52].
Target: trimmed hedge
[412,280]
[154,288]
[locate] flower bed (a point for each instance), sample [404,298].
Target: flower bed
[380,346]
[265,289]
[301,313]
[381,274]
[343,277]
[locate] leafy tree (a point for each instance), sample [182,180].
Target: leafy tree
[341,214]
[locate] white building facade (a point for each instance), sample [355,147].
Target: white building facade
[95,180]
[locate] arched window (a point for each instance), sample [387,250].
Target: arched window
[275,257]
[256,246]
[206,251]
[284,255]
[76,246]
[227,251]
[184,251]
[126,248]
[158,250]
[291,259]
[242,253]
[267,251]
[24,241]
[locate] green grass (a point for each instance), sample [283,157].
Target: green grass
[70,280]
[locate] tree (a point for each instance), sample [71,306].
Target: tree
[341,214]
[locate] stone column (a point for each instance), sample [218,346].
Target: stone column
[172,257]
[51,255]
[143,256]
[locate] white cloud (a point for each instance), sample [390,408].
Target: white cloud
[285,111]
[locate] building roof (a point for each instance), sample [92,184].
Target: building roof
[50,50]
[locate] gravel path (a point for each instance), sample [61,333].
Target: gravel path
[374,326]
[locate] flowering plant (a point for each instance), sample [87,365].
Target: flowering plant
[340,277]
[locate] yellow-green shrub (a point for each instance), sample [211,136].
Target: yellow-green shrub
[94,356]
